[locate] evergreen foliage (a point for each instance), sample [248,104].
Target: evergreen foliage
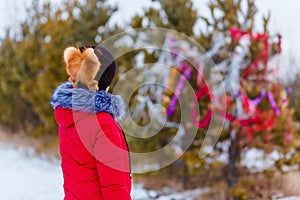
[31,59]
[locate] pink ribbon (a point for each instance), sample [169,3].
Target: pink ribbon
[273,103]
[186,75]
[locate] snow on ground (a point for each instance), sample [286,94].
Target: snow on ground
[257,160]
[26,176]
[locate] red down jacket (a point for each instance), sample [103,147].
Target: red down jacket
[94,154]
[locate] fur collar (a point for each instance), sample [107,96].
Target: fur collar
[87,101]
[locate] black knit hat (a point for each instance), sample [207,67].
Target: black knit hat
[108,66]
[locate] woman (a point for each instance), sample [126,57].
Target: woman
[93,148]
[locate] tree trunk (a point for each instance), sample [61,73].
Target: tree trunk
[232,170]
[183,173]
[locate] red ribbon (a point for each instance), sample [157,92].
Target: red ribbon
[237,34]
[194,114]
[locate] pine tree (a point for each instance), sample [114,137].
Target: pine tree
[252,84]
[15,110]
[271,127]
[35,57]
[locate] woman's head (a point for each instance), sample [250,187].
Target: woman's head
[91,67]
[108,66]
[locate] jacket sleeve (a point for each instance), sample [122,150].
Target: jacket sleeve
[112,161]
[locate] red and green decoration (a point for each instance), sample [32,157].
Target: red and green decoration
[249,115]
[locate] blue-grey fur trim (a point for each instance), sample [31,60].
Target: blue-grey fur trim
[87,101]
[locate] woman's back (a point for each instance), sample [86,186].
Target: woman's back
[87,175]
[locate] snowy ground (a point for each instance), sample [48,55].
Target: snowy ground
[25,176]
